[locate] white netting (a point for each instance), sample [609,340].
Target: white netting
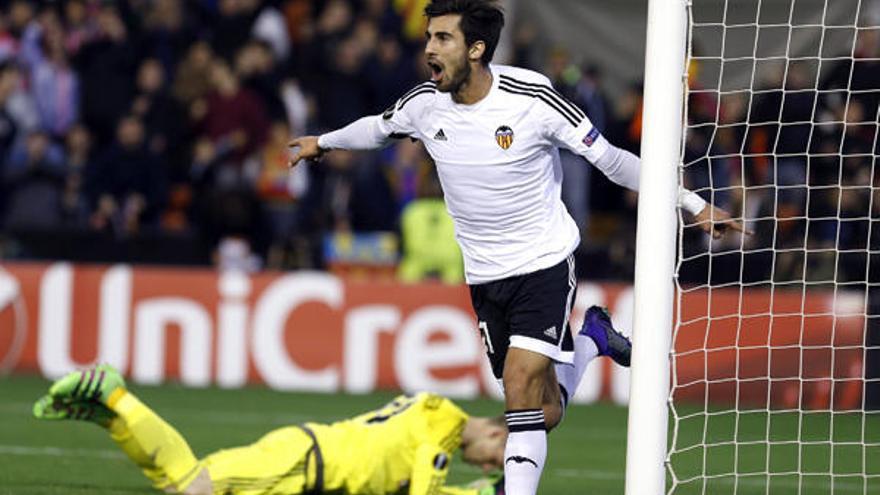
[776,360]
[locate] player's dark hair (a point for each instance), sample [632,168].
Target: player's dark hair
[481,20]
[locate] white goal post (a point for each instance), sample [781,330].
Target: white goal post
[655,246]
[756,365]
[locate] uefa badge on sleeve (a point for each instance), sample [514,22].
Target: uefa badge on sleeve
[591,137]
[504,136]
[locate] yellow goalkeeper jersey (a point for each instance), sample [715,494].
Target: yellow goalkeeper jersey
[401,448]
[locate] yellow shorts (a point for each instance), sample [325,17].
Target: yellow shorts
[274,464]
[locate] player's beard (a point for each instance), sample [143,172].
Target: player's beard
[457,77]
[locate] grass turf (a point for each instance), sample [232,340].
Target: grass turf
[586,453]
[70,457]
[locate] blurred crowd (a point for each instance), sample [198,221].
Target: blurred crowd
[157,131]
[166,122]
[799,158]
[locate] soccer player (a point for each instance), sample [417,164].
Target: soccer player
[494,133]
[401,448]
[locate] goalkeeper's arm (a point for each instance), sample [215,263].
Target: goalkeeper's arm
[430,467]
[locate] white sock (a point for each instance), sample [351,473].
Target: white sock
[525,452]
[585,350]
[569,375]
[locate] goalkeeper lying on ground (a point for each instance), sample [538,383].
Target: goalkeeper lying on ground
[402,448]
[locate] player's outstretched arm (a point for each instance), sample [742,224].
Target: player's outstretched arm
[367,133]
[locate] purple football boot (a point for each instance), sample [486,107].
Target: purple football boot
[610,342]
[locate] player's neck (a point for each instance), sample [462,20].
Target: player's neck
[475,88]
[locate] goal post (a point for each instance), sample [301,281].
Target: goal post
[655,246]
[759,355]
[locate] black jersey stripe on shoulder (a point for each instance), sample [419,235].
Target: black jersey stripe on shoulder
[404,101]
[543,97]
[426,84]
[548,89]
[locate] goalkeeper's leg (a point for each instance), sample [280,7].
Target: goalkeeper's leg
[150,442]
[156,447]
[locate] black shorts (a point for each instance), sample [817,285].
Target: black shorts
[528,312]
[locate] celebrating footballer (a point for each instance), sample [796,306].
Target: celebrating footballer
[494,132]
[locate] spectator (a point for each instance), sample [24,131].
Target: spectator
[277,186]
[429,246]
[127,184]
[106,65]
[233,113]
[343,96]
[166,33]
[160,114]
[53,82]
[192,80]
[225,203]
[270,28]
[233,26]
[391,73]
[9,80]
[20,15]
[78,155]
[256,69]
[80,25]
[34,180]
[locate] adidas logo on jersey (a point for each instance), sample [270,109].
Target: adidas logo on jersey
[550,332]
[440,136]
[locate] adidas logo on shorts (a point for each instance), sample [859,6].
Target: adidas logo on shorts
[550,332]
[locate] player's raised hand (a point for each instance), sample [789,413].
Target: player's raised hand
[306,148]
[716,222]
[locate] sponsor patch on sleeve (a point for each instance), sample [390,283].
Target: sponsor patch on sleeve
[591,137]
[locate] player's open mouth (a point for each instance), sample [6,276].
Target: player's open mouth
[436,71]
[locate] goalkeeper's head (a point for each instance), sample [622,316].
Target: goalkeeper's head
[460,38]
[483,441]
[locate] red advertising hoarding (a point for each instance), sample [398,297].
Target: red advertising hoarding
[315,331]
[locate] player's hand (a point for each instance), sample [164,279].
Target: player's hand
[716,222]
[306,149]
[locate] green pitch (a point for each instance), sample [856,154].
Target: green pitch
[586,455]
[73,458]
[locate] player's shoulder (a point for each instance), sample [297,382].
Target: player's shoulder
[524,83]
[418,95]
[512,75]
[434,403]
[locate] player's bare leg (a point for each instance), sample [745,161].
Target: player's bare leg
[525,380]
[552,401]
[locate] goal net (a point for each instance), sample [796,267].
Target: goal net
[776,357]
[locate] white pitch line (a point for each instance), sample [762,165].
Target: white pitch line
[22,450]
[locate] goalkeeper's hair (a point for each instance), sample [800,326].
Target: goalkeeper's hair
[498,421]
[481,20]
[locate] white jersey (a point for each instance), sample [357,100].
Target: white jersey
[498,163]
